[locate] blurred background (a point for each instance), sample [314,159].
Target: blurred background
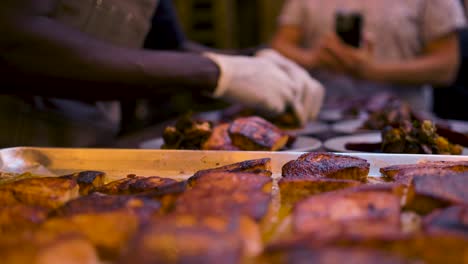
[217,23]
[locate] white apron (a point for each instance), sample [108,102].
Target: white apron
[71,123]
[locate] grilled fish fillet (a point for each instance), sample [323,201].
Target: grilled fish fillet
[219,139]
[50,192]
[328,165]
[87,180]
[135,184]
[451,220]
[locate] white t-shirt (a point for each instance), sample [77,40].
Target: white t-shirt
[401,29]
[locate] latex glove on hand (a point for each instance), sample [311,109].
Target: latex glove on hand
[254,82]
[309,98]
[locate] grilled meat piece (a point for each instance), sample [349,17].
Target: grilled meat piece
[20,216]
[87,180]
[100,203]
[255,133]
[135,184]
[49,192]
[258,166]
[109,232]
[329,165]
[225,193]
[453,220]
[219,139]
[427,193]
[42,248]
[361,213]
[186,239]
[404,173]
[294,190]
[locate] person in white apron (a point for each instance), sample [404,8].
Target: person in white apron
[93,49]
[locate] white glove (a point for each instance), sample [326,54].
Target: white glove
[308,101]
[254,82]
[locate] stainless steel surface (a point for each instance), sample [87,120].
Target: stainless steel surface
[117,163]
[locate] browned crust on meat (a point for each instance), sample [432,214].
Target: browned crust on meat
[329,165]
[255,133]
[20,216]
[135,184]
[50,192]
[360,212]
[427,193]
[432,167]
[294,190]
[451,220]
[258,166]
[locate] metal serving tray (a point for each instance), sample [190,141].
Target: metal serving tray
[177,164]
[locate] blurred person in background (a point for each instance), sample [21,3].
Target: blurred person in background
[450,102]
[407,46]
[84,51]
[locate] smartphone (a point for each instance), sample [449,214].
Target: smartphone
[348,26]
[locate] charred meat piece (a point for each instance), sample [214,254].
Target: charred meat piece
[405,173]
[427,193]
[295,190]
[100,203]
[219,139]
[255,133]
[186,239]
[20,216]
[223,193]
[187,133]
[360,213]
[328,165]
[135,184]
[50,192]
[452,220]
[259,166]
[87,180]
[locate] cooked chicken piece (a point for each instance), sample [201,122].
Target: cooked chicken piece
[430,167]
[50,192]
[330,255]
[20,216]
[294,190]
[186,239]
[362,213]
[255,133]
[427,193]
[69,248]
[452,220]
[227,193]
[219,139]
[135,184]
[87,180]
[259,166]
[109,232]
[100,203]
[329,165]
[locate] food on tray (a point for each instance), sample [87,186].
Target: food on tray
[327,165]
[323,208]
[417,138]
[246,133]
[428,192]
[50,192]
[453,220]
[393,113]
[404,173]
[134,184]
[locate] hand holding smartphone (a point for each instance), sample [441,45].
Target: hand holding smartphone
[348,26]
